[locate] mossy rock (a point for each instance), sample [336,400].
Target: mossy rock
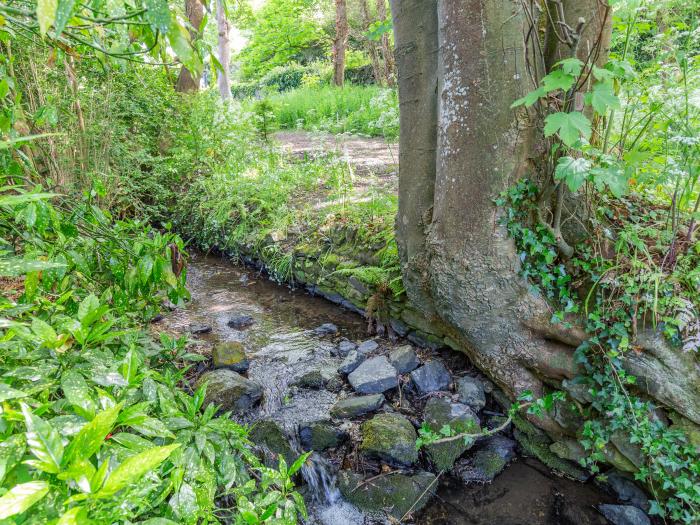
[269,436]
[230,355]
[391,438]
[395,494]
[440,412]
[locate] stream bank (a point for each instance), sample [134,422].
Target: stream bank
[280,360]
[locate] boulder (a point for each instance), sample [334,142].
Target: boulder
[394,494]
[624,515]
[230,390]
[431,377]
[404,359]
[390,438]
[627,490]
[439,412]
[326,329]
[351,362]
[240,322]
[199,328]
[321,435]
[230,355]
[489,461]
[471,392]
[374,376]
[316,379]
[357,406]
[269,436]
[344,348]
[368,346]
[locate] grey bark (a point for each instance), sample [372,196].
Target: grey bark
[340,42]
[223,79]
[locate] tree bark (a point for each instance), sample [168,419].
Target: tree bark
[340,42]
[387,53]
[371,46]
[223,79]
[188,81]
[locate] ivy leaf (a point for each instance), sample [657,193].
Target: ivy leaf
[158,15]
[570,66]
[20,497]
[569,126]
[133,468]
[603,97]
[46,14]
[529,99]
[557,79]
[44,442]
[572,171]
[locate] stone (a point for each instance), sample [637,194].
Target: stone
[399,327]
[578,391]
[316,379]
[471,392]
[321,435]
[424,340]
[568,449]
[230,355]
[351,362]
[357,406]
[404,359]
[199,328]
[390,438]
[624,515]
[631,451]
[627,490]
[431,377]
[268,435]
[326,329]
[439,412]
[344,348]
[368,346]
[493,456]
[230,390]
[395,494]
[374,376]
[240,322]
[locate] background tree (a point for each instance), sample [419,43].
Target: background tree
[340,42]
[223,77]
[189,80]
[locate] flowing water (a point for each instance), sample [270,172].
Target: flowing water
[282,346]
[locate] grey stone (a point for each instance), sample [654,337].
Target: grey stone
[489,461]
[357,406]
[578,391]
[230,355]
[374,376]
[321,435]
[351,362]
[199,328]
[345,347]
[439,412]
[268,435]
[628,491]
[431,377]
[367,346]
[390,438]
[326,329]
[399,327]
[471,392]
[230,390]
[239,322]
[404,359]
[624,515]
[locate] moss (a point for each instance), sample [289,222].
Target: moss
[438,413]
[228,354]
[269,435]
[390,437]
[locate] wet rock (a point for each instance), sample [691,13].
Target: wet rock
[578,391]
[439,412]
[199,328]
[489,461]
[431,377]
[326,329]
[357,406]
[230,355]
[230,390]
[471,392]
[368,346]
[399,327]
[395,494]
[628,491]
[424,340]
[240,322]
[321,435]
[317,379]
[374,376]
[344,348]
[390,438]
[351,362]
[568,449]
[624,515]
[269,436]
[404,359]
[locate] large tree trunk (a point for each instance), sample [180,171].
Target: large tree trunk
[340,42]
[387,52]
[224,47]
[371,45]
[188,81]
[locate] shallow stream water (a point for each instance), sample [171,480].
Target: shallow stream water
[282,346]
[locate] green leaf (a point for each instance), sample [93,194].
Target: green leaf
[557,79]
[158,15]
[11,452]
[529,99]
[44,331]
[570,66]
[63,13]
[572,171]
[43,441]
[603,97]
[613,177]
[15,266]
[46,14]
[133,468]
[179,40]
[74,516]
[87,306]
[78,394]
[7,392]
[21,497]
[91,436]
[569,126]
[145,268]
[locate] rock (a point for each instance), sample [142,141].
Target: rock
[351,362]
[230,390]
[326,329]
[321,435]
[268,435]
[316,379]
[230,355]
[431,377]
[367,346]
[471,392]
[439,412]
[489,461]
[344,348]
[578,391]
[404,359]
[628,491]
[395,494]
[399,327]
[631,451]
[357,406]
[374,376]
[199,328]
[239,322]
[390,438]
[569,449]
[624,515]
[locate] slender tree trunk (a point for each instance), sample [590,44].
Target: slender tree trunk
[340,42]
[387,52]
[223,77]
[188,81]
[371,45]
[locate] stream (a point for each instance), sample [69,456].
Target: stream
[287,352]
